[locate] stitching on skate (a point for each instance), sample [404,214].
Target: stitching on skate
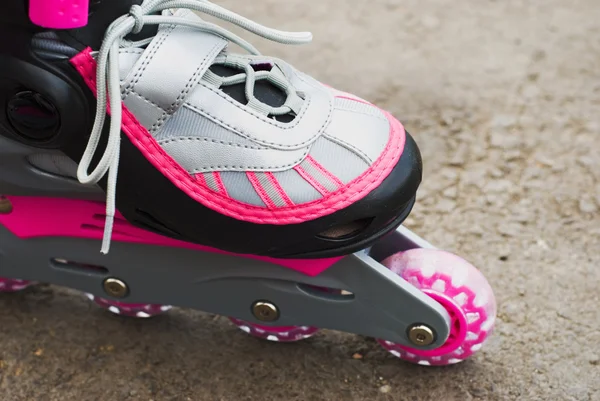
[192,82]
[133,50]
[275,123]
[312,181]
[350,148]
[241,133]
[133,92]
[364,113]
[328,174]
[273,180]
[333,202]
[138,74]
[348,145]
[254,168]
[159,43]
[262,193]
[302,77]
[194,138]
[220,183]
[283,126]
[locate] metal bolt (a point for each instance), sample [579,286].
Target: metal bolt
[5,205]
[265,311]
[115,287]
[421,335]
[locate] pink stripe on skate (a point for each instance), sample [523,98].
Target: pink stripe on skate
[330,203]
[260,190]
[201,179]
[273,180]
[59,14]
[311,180]
[33,217]
[219,182]
[324,171]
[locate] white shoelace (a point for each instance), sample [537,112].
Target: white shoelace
[108,80]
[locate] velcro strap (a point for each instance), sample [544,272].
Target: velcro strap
[169,69]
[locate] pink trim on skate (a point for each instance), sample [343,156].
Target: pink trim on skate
[332,202]
[201,179]
[271,177]
[59,14]
[324,171]
[219,181]
[311,180]
[51,217]
[260,190]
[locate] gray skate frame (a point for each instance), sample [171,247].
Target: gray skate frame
[376,302]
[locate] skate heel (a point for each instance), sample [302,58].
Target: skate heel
[59,14]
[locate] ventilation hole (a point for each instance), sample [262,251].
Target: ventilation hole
[225,71]
[262,66]
[268,93]
[264,91]
[332,294]
[77,267]
[347,230]
[286,118]
[237,92]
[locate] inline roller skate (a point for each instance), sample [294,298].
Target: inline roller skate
[227,182]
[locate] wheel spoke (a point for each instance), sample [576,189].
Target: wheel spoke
[456,285]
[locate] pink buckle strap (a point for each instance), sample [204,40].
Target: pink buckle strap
[59,14]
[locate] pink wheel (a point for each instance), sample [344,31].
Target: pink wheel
[13,285]
[461,289]
[276,333]
[126,309]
